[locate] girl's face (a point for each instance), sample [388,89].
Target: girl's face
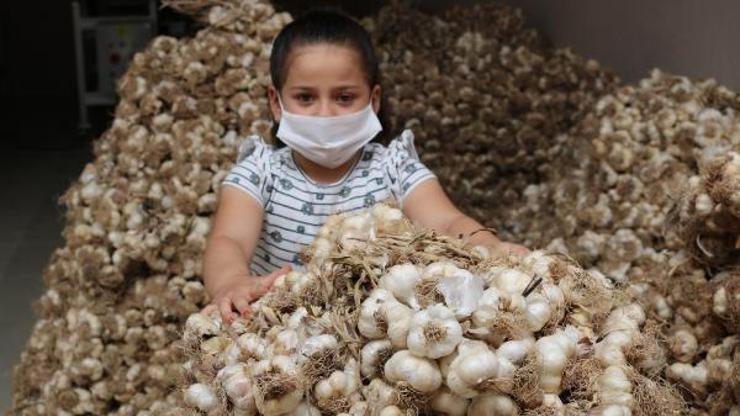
[324,80]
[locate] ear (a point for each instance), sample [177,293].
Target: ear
[272,97]
[375,98]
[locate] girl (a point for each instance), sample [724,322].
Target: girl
[326,102]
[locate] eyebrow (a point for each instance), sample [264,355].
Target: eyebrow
[340,87]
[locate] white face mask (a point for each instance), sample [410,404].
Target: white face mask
[328,141]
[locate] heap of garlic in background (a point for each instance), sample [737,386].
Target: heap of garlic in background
[648,195]
[397,321]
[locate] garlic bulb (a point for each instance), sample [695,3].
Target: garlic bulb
[539,312]
[515,350]
[487,315]
[401,281]
[474,364]
[201,396]
[434,332]
[379,312]
[199,325]
[507,280]
[305,409]
[420,373]
[392,411]
[614,388]
[286,342]
[490,404]
[619,328]
[338,386]
[238,387]
[252,346]
[379,394]
[277,390]
[388,219]
[318,343]
[460,288]
[683,345]
[554,351]
[694,377]
[447,403]
[373,356]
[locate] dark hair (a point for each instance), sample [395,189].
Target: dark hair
[327,26]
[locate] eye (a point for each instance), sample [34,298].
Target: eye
[345,98]
[304,98]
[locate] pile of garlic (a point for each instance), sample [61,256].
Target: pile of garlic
[485,98]
[708,215]
[373,331]
[528,132]
[645,194]
[128,276]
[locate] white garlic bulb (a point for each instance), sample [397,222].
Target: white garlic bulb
[434,332]
[371,355]
[420,373]
[447,403]
[473,364]
[401,281]
[263,372]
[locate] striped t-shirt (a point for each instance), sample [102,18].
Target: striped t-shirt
[295,206]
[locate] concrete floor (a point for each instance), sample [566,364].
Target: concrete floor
[31,224]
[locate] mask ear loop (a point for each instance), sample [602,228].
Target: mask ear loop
[280,102]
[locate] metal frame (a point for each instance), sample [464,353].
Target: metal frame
[86,98]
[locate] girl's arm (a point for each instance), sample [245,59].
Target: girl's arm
[429,206]
[235,230]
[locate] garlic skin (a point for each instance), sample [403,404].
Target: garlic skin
[490,404]
[401,281]
[473,364]
[420,373]
[460,288]
[370,356]
[434,332]
[447,403]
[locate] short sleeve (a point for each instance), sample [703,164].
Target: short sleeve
[251,173]
[404,167]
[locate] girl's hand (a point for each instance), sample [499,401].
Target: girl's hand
[239,294]
[501,249]
[504,248]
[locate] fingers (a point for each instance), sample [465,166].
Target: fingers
[224,305]
[264,283]
[242,305]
